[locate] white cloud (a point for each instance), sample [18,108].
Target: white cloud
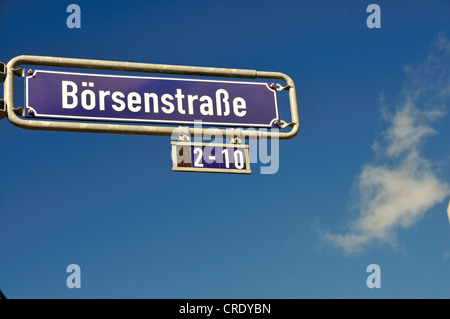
[446,254]
[398,191]
[391,198]
[409,128]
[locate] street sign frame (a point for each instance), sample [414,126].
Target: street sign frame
[13,114]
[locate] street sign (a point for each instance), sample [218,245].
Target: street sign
[177,101]
[94,112]
[210,157]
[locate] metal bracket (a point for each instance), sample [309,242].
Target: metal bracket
[281,123]
[183,134]
[285,124]
[19,72]
[2,109]
[183,138]
[281,88]
[236,136]
[2,72]
[2,79]
[19,111]
[236,140]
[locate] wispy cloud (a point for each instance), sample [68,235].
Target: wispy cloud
[446,254]
[401,187]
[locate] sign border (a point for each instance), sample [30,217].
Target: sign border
[270,125]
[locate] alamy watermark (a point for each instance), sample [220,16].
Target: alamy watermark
[374,279]
[265,151]
[74,19]
[74,279]
[374,19]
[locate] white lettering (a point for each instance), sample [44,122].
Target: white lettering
[239,107]
[226,104]
[154,97]
[196,309]
[115,96]
[206,108]
[84,103]
[220,105]
[134,98]
[180,98]
[191,99]
[103,94]
[66,95]
[164,100]
[246,308]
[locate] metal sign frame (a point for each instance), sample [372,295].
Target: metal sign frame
[69,126]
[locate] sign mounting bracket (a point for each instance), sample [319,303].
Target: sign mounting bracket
[2,79]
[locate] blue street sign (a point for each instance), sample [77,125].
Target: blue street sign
[112,98]
[212,158]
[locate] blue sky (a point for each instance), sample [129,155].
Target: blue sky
[366,180]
